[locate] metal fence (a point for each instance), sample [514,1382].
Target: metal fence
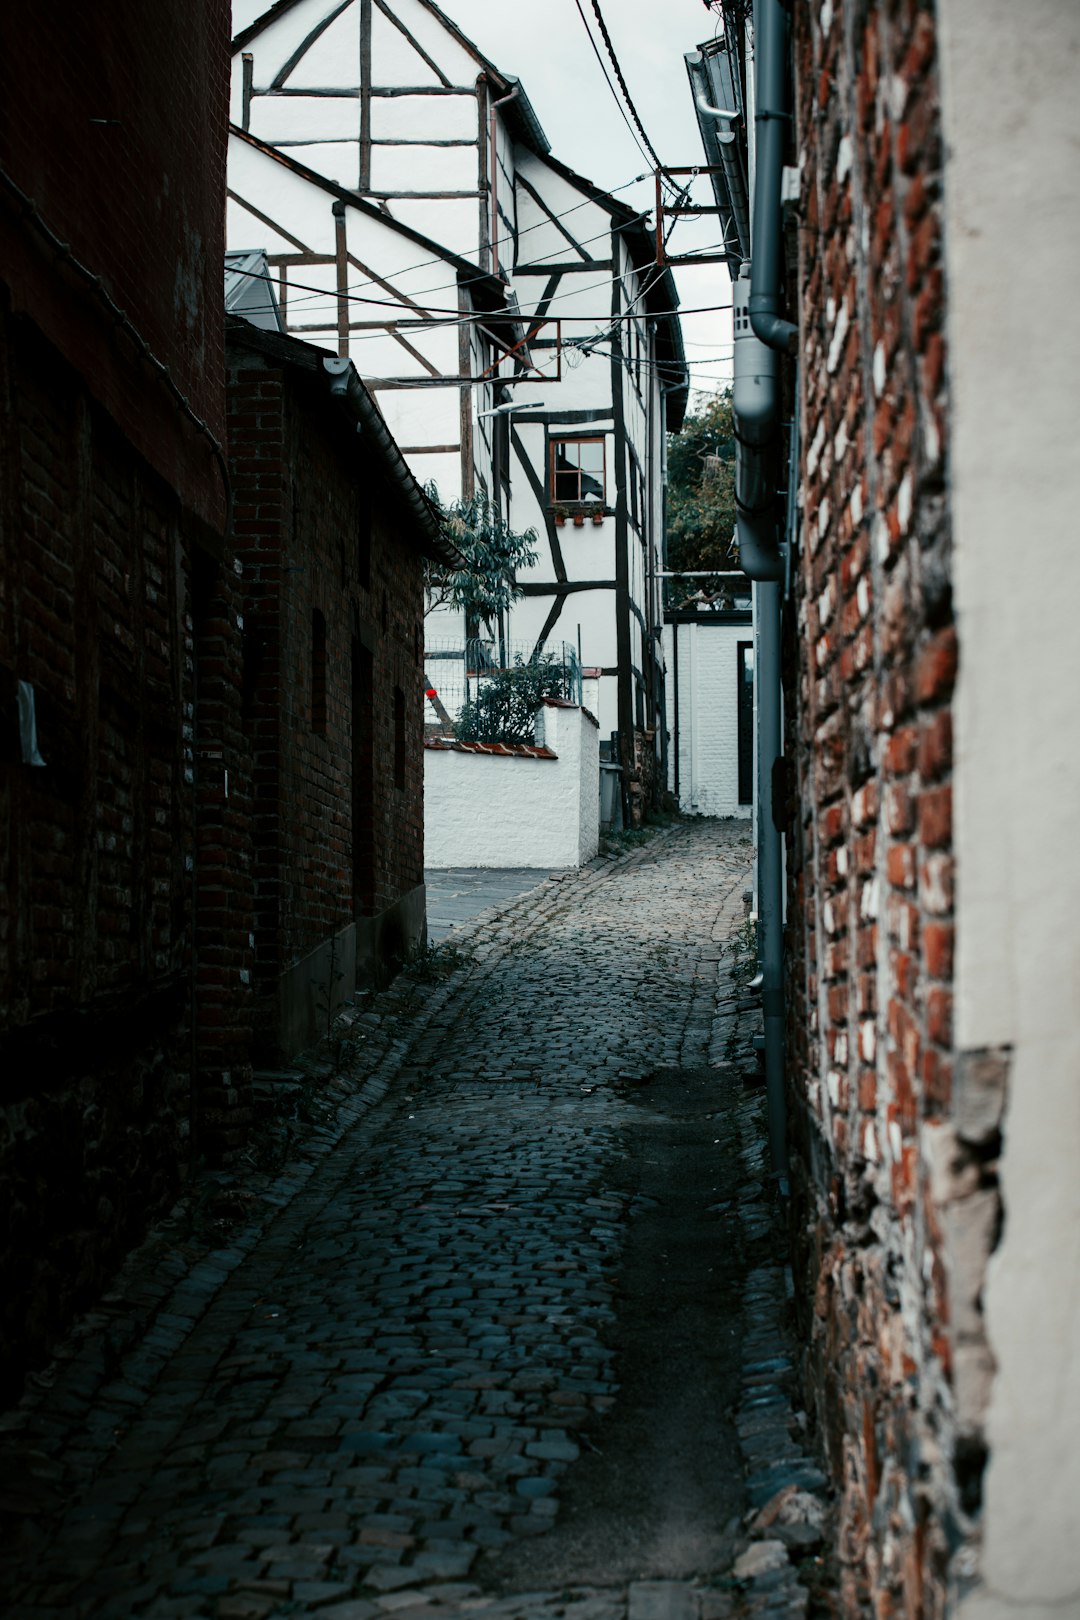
[456,671]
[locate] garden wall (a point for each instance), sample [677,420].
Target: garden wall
[512,805]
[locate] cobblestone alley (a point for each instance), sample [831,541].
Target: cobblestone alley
[503,1333]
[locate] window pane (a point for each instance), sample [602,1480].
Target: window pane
[578,469]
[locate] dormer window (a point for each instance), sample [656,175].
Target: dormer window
[577,470]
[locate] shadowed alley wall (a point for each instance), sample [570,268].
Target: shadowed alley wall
[118,614]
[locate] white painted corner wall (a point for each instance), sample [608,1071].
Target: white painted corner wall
[1012,203]
[514,811]
[703,725]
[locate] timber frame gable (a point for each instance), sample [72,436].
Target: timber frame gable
[507,313]
[387,111]
[357,82]
[591,462]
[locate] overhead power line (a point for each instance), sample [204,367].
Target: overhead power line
[646,148]
[463,281]
[622,83]
[454,317]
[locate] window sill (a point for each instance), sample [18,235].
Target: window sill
[588,511]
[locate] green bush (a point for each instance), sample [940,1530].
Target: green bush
[506,704]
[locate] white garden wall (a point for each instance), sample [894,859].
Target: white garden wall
[702,716]
[515,807]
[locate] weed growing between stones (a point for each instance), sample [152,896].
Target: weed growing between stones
[744,947]
[434,961]
[619,843]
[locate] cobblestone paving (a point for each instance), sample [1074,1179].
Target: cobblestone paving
[353,1408]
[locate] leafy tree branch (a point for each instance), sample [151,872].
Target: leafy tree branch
[491,553]
[701,488]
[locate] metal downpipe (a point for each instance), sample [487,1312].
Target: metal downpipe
[770,872]
[771,115]
[757,409]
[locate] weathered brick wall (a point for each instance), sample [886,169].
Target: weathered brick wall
[97,847]
[338,792]
[113,121]
[871,904]
[116,605]
[223,859]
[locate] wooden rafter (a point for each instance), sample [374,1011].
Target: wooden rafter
[393,332]
[302,49]
[531,190]
[413,41]
[266,220]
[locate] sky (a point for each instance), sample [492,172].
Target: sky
[545,43]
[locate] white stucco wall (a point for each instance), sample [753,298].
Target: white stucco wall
[499,811]
[707,740]
[1012,127]
[588,781]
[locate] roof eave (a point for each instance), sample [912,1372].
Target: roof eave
[342,383]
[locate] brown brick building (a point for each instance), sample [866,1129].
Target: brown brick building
[331,531]
[121,988]
[870,719]
[210,662]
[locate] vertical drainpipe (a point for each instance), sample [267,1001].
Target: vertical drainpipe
[759,330]
[511,95]
[757,420]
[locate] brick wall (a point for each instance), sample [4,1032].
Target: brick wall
[223,859]
[113,121]
[98,846]
[122,1022]
[871,866]
[333,605]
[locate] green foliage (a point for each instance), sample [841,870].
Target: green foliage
[506,704]
[701,488]
[627,838]
[434,961]
[491,553]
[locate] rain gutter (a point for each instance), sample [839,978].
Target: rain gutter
[771,114]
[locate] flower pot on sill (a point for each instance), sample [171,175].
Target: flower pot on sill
[579,520]
[560,519]
[598,517]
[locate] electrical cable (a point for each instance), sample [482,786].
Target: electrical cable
[524,230]
[449,286]
[622,83]
[646,150]
[456,318]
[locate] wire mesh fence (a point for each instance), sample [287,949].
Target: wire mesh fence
[491,691]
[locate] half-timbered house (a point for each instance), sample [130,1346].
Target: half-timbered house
[506,313]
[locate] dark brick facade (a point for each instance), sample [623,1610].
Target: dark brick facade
[333,605]
[122,1022]
[874,655]
[112,123]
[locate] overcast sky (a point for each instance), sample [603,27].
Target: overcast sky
[544,42]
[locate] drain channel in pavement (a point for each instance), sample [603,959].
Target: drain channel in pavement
[659,1494]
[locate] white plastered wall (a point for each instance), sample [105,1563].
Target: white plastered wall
[1012,128]
[706,743]
[499,811]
